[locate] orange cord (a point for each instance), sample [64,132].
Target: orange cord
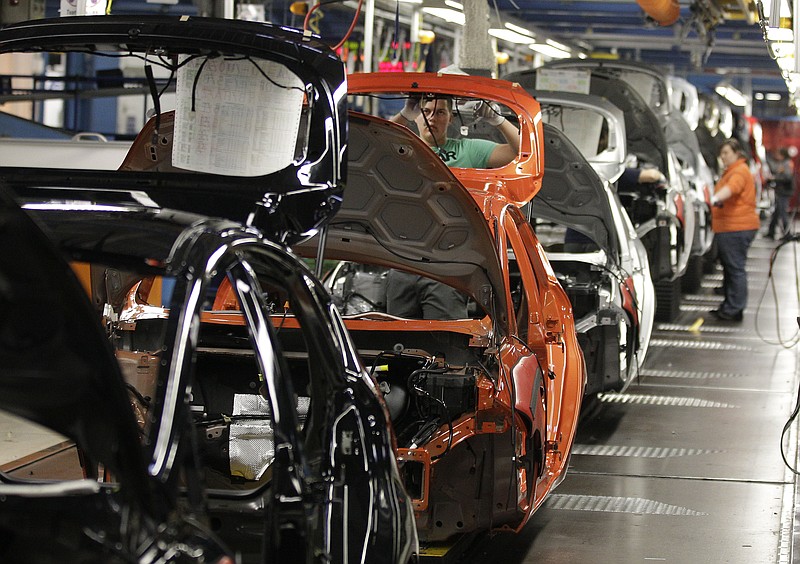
[352,25]
[349,31]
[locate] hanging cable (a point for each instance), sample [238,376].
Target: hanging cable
[795,338]
[315,7]
[352,26]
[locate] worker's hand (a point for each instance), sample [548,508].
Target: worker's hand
[650,175]
[490,113]
[411,109]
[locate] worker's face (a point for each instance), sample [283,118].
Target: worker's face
[433,121]
[727,155]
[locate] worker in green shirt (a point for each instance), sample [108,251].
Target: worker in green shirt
[433,116]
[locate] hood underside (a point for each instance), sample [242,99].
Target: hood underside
[403,208]
[643,132]
[572,194]
[598,129]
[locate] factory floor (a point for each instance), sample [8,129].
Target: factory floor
[687,465]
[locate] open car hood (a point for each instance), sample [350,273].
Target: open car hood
[404,208]
[573,194]
[608,161]
[517,181]
[684,98]
[647,81]
[643,131]
[289,203]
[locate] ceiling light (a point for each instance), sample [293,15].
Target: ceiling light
[510,36]
[731,94]
[452,16]
[786,63]
[557,45]
[519,29]
[783,49]
[779,34]
[549,51]
[772,96]
[759,96]
[454,4]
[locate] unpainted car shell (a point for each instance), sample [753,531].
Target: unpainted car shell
[404,208]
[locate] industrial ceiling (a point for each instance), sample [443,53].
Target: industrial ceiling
[709,41]
[704,41]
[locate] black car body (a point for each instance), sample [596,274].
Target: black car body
[287,457]
[59,372]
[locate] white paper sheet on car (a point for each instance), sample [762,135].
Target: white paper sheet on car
[243,123]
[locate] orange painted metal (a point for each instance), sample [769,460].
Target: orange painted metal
[665,12]
[519,180]
[545,338]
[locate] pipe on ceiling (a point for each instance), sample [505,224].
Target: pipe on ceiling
[665,12]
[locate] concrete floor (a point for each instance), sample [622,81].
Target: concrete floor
[686,467]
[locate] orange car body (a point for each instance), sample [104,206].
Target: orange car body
[530,383]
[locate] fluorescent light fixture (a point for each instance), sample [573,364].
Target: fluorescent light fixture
[779,34]
[731,94]
[410,1]
[446,14]
[786,63]
[772,96]
[557,45]
[454,4]
[519,29]
[783,49]
[549,51]
[510,36]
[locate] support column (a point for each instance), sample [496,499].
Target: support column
[369,35]
[476,55]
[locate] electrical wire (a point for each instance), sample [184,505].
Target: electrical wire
[315,7]
[770,283]
[786,428]
[352,26]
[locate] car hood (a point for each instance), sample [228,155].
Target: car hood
[644,135]
[609,163]
[289,203]
[573,194]
[647,81]
[404,208]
